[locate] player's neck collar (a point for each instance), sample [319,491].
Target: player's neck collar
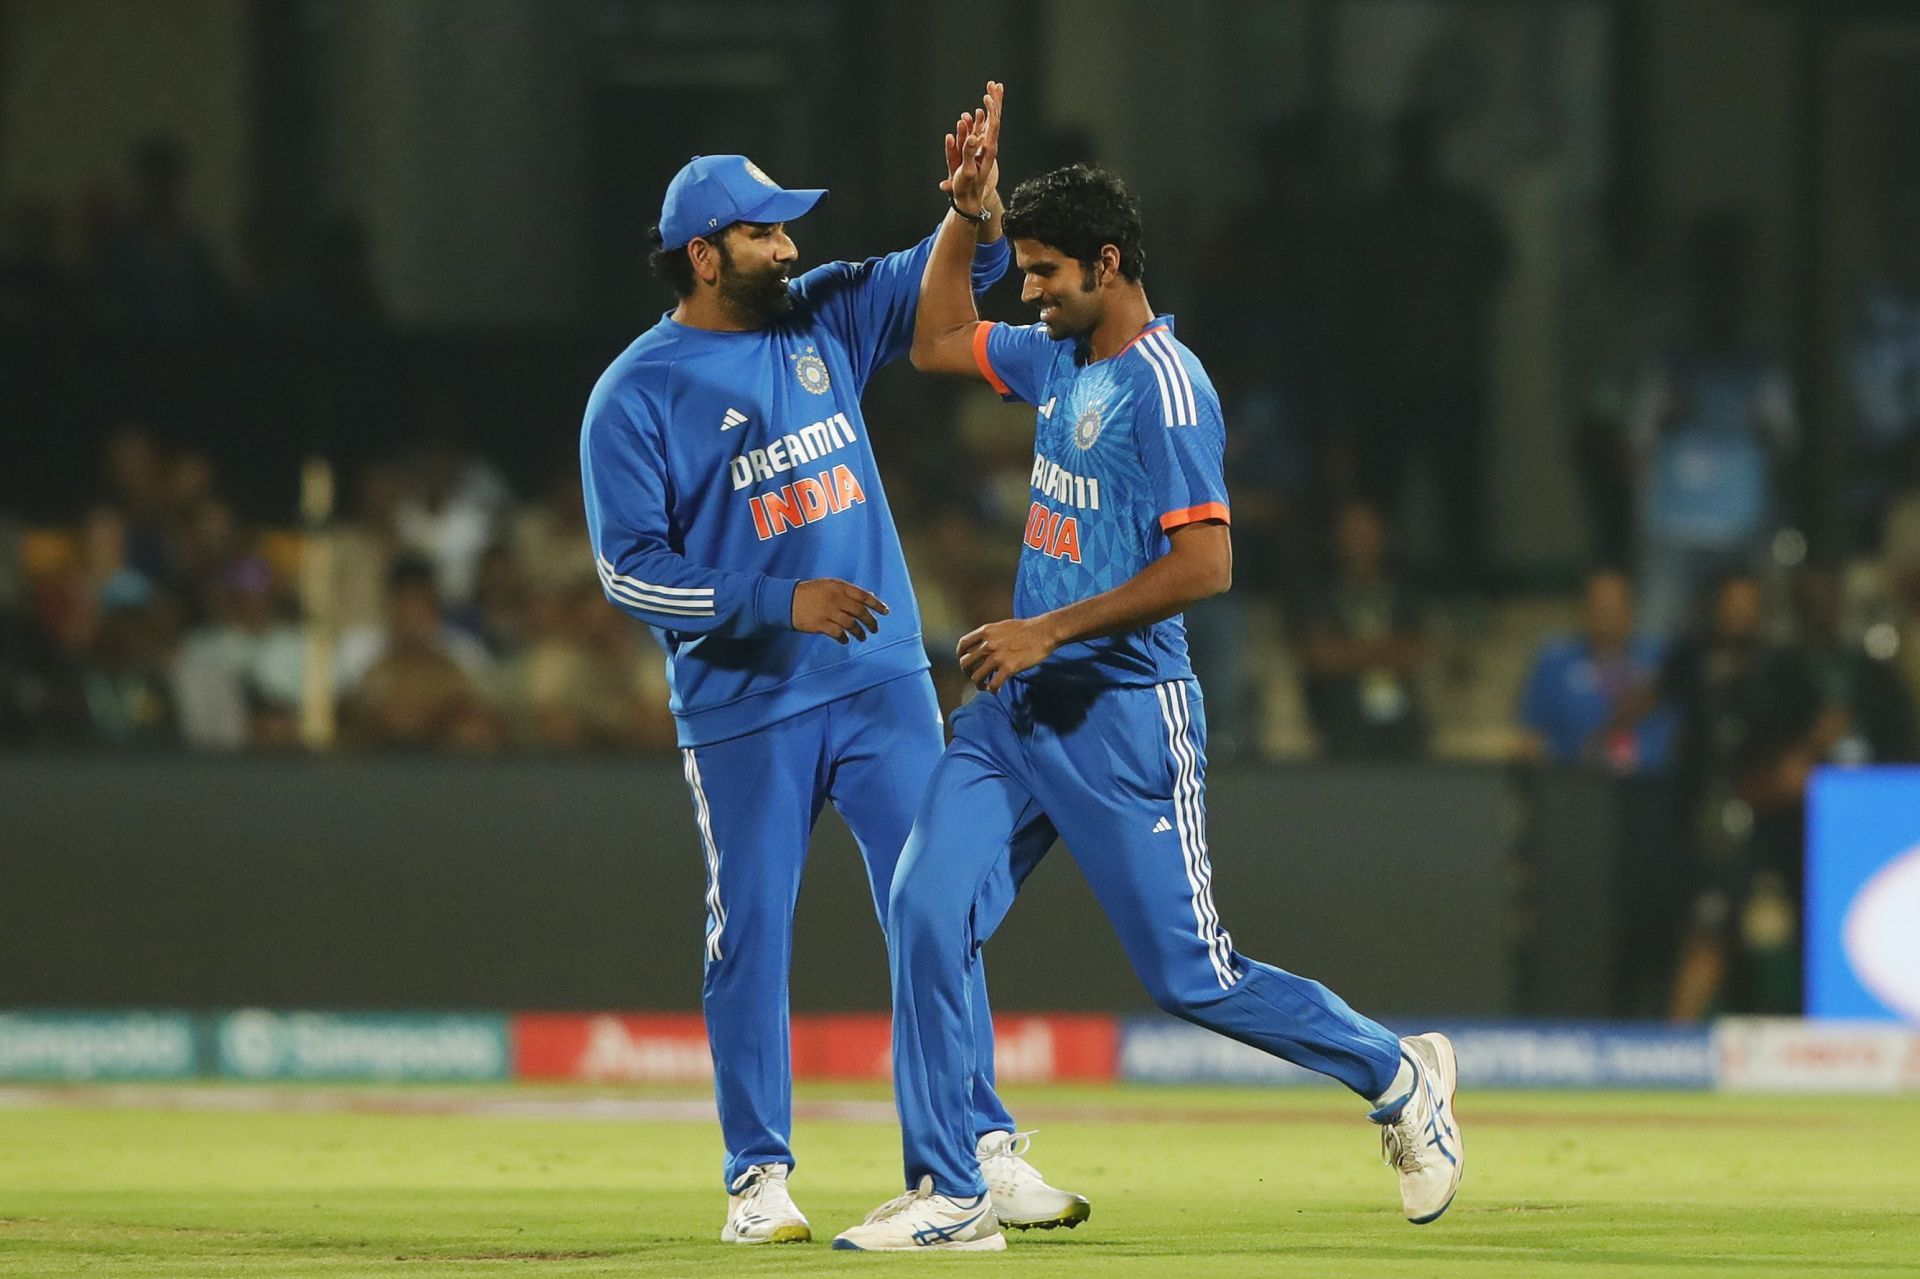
[1162,321]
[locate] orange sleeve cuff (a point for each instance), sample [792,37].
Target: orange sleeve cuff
[980,332]
[1194,515]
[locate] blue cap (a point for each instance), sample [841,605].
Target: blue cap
[715,191]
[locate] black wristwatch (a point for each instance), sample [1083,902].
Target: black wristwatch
[979,219]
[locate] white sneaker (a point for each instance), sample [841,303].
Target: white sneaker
[1422,1140]
[920,1219]
[760,1209]
[1021,1197]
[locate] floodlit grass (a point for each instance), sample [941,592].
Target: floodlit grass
[1214,1182]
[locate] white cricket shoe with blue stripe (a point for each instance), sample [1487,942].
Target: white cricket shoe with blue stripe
[922,1221]
[1022,1199]
[1419,1134]
[760,1209]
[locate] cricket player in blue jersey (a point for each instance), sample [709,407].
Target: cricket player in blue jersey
[734,507]
[1089,726]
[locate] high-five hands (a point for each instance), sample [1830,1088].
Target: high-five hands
[973,154]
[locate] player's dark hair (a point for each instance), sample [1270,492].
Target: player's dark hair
[674,266]
[1079,210]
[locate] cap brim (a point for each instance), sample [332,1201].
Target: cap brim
[783,206]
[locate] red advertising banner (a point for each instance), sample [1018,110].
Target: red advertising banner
[671,1048]
[649,1048]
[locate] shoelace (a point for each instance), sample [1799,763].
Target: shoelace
[1016,1147]
[901,1203]
[1395,1151]
[760,1184]
[1005,1169]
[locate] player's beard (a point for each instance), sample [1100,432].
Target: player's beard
[758,297]
[1060,328]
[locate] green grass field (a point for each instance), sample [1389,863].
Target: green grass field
[1215,1182]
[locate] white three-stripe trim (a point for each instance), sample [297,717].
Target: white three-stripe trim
[716,910]
[1176,388]
[1190,816]
[683,601]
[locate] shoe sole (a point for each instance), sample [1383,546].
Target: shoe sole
[781,1234]
[1065,1221]
[992,1243]
[1451,1069]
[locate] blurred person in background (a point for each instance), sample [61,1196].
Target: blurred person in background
[496,615]
[453,507]
[587,681]
[158,272]
[1874,708]
[413,614]
[69,601]
[945,557]
[202,532]
[1579,704]
[24,656]
[1712,425]
[238,680]
[417,683]
[1364,650]
[549,531]
[1753,725]
[134,470]
[114,690]
[1435,259]
[365,545]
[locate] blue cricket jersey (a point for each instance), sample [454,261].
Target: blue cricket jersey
[1126,450]
[723,469]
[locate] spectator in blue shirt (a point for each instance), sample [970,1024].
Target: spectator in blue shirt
[1578,706]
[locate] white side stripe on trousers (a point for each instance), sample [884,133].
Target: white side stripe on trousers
[716,911]
[1190,817]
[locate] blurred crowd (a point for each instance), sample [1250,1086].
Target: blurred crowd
[1350,331]
[456,617]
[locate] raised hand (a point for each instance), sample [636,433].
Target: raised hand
[973,153]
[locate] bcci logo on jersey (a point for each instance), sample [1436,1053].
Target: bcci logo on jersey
[1087,429]
[812,372]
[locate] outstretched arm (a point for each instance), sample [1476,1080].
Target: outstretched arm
[943,326]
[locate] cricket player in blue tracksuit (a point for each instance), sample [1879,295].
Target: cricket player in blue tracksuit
[1089,726]
[734,505]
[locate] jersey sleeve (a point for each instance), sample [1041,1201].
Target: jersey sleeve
[1183,441]
[623,473]
[870,305]
[1015,359]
